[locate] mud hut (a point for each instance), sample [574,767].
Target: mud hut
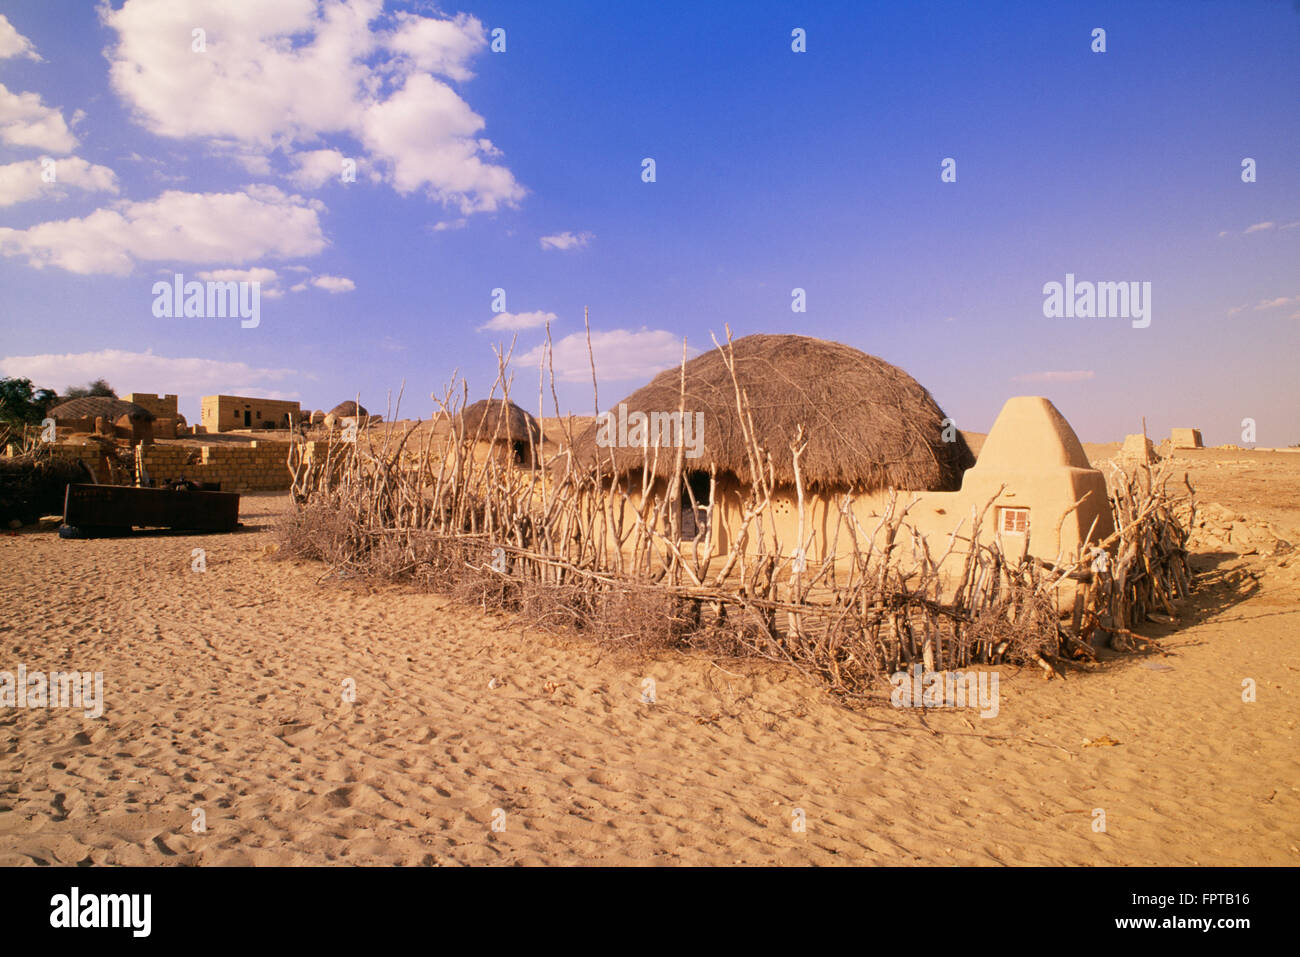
[869,426]
[498,426]
[346,410]
[1138,450]
[106,415]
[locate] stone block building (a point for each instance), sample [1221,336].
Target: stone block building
[167,419]
[227,413]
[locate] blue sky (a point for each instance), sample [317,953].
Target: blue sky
[774,170]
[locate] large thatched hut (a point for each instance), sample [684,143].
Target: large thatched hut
[105,414]
[501,426]
[868,427]
[868,424]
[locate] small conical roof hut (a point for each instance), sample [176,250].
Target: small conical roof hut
[347,409]
[498,420]
[868,424]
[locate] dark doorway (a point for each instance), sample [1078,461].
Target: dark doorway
[695,521]
[248,419]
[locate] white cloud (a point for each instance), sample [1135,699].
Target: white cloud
[1263,227]
[1075,375]
[566,240]
[256,274]
[425,135]
[620,354]
[437,46]
[26,121]
[13,43]
[333,284]
[266,279]
[253,163]
[270,73]
[1264,304]
[509,321]
[445,225]
[146,372]
[25,180]
[296,73]
[1274,303]
[235,228]
[315,168]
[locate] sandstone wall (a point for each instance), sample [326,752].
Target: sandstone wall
[254,467]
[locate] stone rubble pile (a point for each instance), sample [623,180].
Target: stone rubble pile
[1221,529]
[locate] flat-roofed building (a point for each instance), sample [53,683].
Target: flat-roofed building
[167,419]
[226,413]
[162,406]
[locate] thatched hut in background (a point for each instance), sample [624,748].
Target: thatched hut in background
[317,418]
[869,426]
[347,410]
[498,426]
[105,415]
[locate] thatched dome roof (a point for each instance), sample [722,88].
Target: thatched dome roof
[485,419]
[346,409]
[90,406]
[869,425]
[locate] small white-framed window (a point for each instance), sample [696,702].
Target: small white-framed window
[1013,521]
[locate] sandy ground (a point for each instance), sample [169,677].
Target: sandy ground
[224,694]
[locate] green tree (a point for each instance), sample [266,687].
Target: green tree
[21,404]
[98,387]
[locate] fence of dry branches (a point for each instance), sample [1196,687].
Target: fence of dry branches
[601,553]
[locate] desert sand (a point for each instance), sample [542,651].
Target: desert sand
[224,692]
